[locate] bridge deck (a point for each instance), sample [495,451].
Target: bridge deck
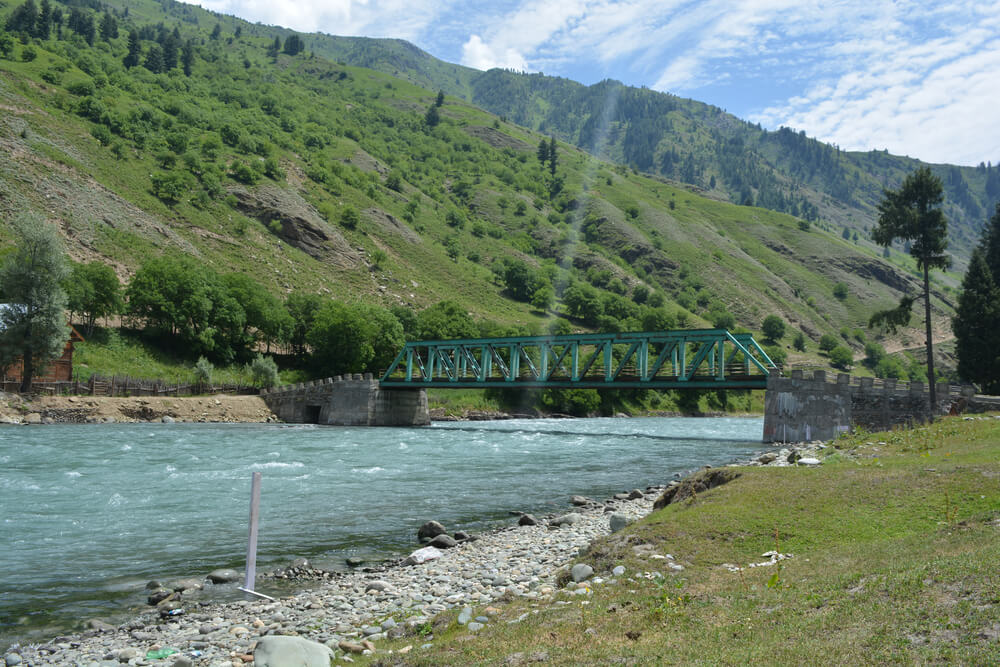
[694,359]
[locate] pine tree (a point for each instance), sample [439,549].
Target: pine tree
[440,98]
[23,18]
[216,31]
[187,57]
[88,30]
[991,244]
[109,27]
[169,53]
[33,326]
[43,24]
[913,213]
[977,326]
[154,59]
[543,151]
[553,157]
[134,50]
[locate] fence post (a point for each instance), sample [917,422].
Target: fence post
[251,572]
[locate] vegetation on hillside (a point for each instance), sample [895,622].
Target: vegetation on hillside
[170,131]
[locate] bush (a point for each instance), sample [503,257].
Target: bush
[264,371]
[840,291]
[349,217]
[799,342]
[828,342]
[773,327]
[841,357]
[203,370]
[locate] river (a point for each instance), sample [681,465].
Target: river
[90,513]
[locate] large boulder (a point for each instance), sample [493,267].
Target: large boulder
[430,530]
[697,483]
[223,576]
[443,542]
[287,651]
[422,556]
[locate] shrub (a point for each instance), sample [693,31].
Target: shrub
[828,342]
[841,357]
[263,371]
[203,370]
[840,291]
[799,342]
[773,327]
[349,217]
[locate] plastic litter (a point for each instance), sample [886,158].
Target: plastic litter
[156,654]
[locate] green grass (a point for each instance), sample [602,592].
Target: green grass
[110,352]
[895,541]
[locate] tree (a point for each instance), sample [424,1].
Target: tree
[187,56]
[43,24]
[216,31]
[294,45]
[990,243]
[444,320]
[799,342]
[33,325]
[301,307]
[439,100]
[134,50]
[977,325]
[827,342]
[840,291]
[264,371]
[841,357]
[553,156]
[352,338]
[432,117]
[543,151]
[23,18]
[154,59]
[773,328]
[913,213]
[94,292]
[109,27]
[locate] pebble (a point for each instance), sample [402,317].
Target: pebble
[351,611]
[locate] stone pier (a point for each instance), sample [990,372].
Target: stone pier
[348,400]
[802,408]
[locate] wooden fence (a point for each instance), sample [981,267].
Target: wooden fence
[120,385]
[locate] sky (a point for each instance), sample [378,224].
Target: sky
[919,78]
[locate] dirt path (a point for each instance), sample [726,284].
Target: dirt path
[93,409]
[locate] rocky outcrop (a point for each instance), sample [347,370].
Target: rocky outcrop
[697,483]
[295,221]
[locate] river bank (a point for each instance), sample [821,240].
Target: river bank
[344,610]
[222,408]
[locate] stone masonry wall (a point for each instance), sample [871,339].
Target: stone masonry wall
[350,400]
[800,408]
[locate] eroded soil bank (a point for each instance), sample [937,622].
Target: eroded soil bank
[15,409]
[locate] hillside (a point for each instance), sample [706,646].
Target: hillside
[310,174]
[692,142]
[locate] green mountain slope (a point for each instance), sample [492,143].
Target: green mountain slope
[690,141]
[310,174]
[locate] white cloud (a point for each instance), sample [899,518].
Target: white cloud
[478,54]
[915,77]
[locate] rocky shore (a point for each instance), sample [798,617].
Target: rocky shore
[345,613]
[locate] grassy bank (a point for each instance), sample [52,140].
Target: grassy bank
[894,543]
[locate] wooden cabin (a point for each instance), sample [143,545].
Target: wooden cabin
[57,370]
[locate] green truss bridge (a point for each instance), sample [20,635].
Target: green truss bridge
[692,359]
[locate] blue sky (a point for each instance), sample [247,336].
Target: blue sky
[918,78]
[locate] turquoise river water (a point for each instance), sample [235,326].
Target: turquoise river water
[89,513]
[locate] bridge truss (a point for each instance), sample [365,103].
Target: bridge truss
[694,359]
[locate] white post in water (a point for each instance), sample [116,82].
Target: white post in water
[251,575]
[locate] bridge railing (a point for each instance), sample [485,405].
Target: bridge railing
[695,358]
